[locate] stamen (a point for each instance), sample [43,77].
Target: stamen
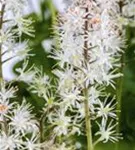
[3,108]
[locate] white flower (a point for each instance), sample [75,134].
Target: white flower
[61,122]
[23,26]
[6,37]
[22,120]
[40,83]
[71,98]
[22,50]
[25,74]
[109,78]
[129,8]
[106,108]
[7,92]
[15,5]
[92,74]
[17,50]
[107,132]
[66,78]
[33,143]
[94,94]
[49,97]
[81,112]
[13,25]
[11,142]
[5,108]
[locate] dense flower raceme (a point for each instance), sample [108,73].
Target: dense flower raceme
[40,84]
[19,128]
[13,25]
[17,121]
[91,42]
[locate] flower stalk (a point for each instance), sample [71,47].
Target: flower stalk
[88,61]
[1,23]
[88,121]
[16,121]
[119,90]
[1,75]
[4,124]
[86,101]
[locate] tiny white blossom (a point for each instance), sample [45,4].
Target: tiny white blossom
[25,74]
[7,92]
[22,50]
[71,98]
[10,141]
[107,132]
[40,82]
[106,109]
[66,78]
[61,122]
[22,120]
[23,26]
[33,143]
[109,78]
[129,8]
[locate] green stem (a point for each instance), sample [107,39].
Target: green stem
[119,90]
[1,24]
[119,97]
[41,128]
[88,121]
[86,95]
[5,126]
[41,124]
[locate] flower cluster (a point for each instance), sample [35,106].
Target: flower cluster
[19,128]
[17,122]
[90,46]
[13,25]
[91,42]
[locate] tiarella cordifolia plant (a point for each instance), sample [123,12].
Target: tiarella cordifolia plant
[18,126]
[91,42]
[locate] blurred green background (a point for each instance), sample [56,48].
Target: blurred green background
[43,31]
